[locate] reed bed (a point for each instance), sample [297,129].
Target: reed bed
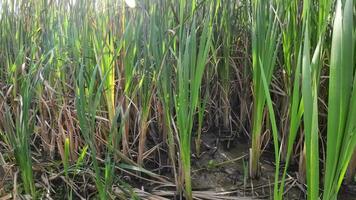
[111,99]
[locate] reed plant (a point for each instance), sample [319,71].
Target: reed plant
[191,62]
[264,52]
[146,91]
[310,85]
[19,135]
[341,100]
[159,42]
[88,99]
[291,35]
[224,37]
[128,64]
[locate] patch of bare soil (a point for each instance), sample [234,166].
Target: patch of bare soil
[223,167]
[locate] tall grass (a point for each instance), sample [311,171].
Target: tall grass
[161,40]
[147,87]
[342,94]
[190,69]
[311,74]
[19,135]
[87,102]
[291,35]
[264,53]
[116,78]
[224,43]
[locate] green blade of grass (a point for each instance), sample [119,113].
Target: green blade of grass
[342,71]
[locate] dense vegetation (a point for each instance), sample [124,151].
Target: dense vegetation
[95,92]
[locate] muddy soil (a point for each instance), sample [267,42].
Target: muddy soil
[223,167]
